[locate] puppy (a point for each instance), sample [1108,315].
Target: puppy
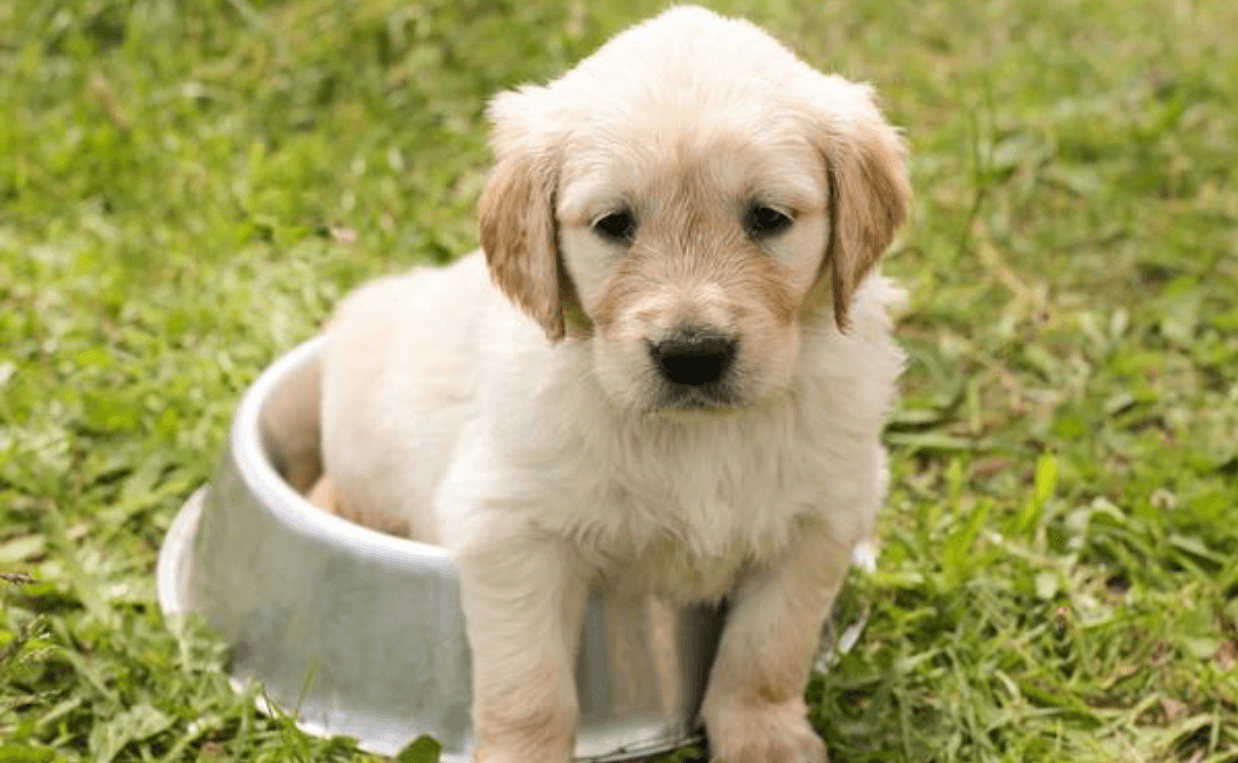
[667,373]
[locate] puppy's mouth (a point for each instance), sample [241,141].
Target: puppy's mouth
[682,397]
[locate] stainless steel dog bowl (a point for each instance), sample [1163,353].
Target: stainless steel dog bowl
[361,633]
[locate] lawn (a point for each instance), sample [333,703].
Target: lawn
[187,187]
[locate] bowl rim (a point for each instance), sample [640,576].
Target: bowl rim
[292,509]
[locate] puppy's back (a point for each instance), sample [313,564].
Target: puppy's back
[397,385]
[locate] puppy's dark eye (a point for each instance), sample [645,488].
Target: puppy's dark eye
[617,226]
[766,221]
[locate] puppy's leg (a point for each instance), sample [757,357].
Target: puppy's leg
[523,599]
[325,496]
[322,494]
[754,709]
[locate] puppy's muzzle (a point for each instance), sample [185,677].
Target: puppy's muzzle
[693,357]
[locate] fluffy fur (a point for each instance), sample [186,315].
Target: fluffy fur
[510,407]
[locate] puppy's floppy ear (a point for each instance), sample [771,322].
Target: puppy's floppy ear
[518,230]
[869,191]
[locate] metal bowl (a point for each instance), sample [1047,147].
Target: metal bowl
[361,633]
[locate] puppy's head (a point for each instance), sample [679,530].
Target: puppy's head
[676,200]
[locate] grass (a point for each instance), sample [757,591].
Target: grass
[186,189]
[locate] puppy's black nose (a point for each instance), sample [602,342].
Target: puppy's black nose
[693,359]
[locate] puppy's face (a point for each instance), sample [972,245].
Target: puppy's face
[677,198]
[691,242]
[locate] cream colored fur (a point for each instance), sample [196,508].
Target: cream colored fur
[507,407]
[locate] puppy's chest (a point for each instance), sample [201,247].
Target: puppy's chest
[692,528]
[672,568]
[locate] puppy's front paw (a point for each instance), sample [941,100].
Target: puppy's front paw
[495,755]
[764,733]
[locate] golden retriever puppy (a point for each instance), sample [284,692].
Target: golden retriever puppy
[668,372]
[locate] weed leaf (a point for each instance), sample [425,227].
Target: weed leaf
[1045,482]
[134,725]
[19,753]
[423,749]
[957,560]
